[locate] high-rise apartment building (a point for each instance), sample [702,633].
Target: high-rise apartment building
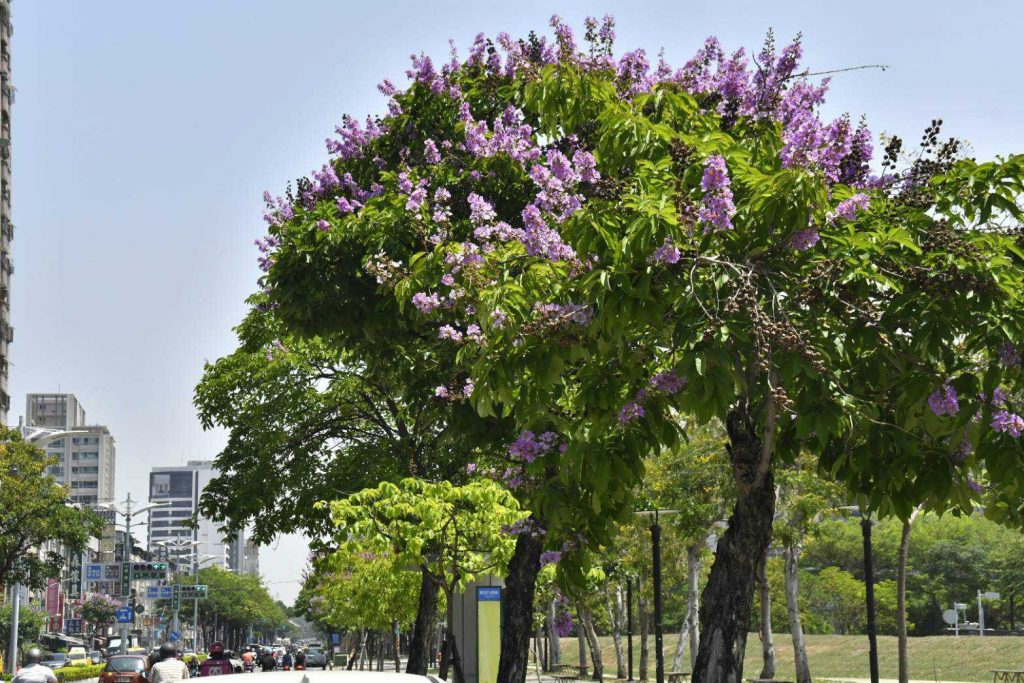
[179,488]
[86,453]
[6,226]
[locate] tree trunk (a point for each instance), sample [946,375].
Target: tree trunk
[901,598]
[645,629]
[554,645]
[539,660]
[446,658]
[725,612]
[520,585]
[767,639]
[792,557]
[614,607]
[396,644]
[420,645]
[581,637]
[460,675]
[693,563]
[684,633]
[595,646]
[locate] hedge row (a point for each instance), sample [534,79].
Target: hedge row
[69,674]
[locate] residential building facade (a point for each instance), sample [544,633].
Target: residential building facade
[86,454]
[6,226]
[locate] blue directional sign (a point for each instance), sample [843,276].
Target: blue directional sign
[152,592]
[94,572]
[174,636]
[166,592]
[125,615]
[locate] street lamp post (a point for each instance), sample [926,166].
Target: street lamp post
[981,609]
[128,508]
[659,635]
[178,545]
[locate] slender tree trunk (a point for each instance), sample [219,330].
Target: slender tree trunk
[684,633]
[460,675]
[554,645]
[396,644]
[539,660]
[595,647]
[446,658]
[645,629]
[363,635]
[901,598]
[725,612]
[767,639]
[614,607]
[420,644]
[796,628]
[520,586]
[581,637]
[693,564]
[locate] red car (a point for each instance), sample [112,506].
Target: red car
[125,669]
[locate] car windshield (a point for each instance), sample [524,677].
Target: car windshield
[314,651]
[76,655]
[125,664]
[56,657]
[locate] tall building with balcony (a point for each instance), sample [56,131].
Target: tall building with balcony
[6,226]
[86,453]
[179,489]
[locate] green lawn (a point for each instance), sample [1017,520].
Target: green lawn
[942,658]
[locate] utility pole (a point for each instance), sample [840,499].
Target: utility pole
[12,659]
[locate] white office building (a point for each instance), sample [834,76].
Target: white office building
[180,488]
[86,453]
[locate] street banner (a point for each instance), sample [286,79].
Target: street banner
[72,626]
[53,597]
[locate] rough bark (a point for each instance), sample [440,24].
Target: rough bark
[645,630]
[446,659]
[420,645]
[554,644]
[901,599]
[520,585]
[796,628]
[767,639]
[725,612]
[595,646]
[693,564]
[616,619]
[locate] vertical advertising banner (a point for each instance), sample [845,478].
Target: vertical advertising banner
[488,625]
[53,597]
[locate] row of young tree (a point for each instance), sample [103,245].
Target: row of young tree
[546,266]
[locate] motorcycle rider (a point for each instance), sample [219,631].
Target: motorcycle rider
[267,660]
[217,663]
[169,668]
[34,672]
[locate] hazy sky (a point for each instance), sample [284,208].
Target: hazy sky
[145,133]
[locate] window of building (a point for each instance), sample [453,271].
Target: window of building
[85,455]
[58,443]
[84,484]
[89,469]
[55,471]
[85,440]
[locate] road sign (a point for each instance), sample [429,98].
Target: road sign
[175,600]
[72,626]
[950,617]
[126,579]
[174,635]
[140,608]
[193,591]
[143,571]
[166,592]
[94,572]
[152,592]
[125,615]
[112,571]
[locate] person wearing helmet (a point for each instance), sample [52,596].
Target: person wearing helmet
[32,671]
[169,668]
[217,663]
[267,661]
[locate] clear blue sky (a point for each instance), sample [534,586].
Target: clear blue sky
[145,133]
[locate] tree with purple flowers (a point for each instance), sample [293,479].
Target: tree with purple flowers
[595,247]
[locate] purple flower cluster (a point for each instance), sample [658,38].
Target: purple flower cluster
[550,557]
[849,208]
[449,332]
[430,153]
[275,350]
[1008,423]
[717,210]
[802,240]
[563,313]
[425,302]
[943,401]
[323,225]
[563,623]
[668,381]
[962,452]
[528,447]
[353,137]
[630,411]
[668,253]
[973,485]
[1009,355]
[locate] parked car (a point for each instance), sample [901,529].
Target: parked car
[77,656]
[316,658]
[97,657]
[124,669]
[54,660]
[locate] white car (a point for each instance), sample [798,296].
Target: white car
[337,676]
